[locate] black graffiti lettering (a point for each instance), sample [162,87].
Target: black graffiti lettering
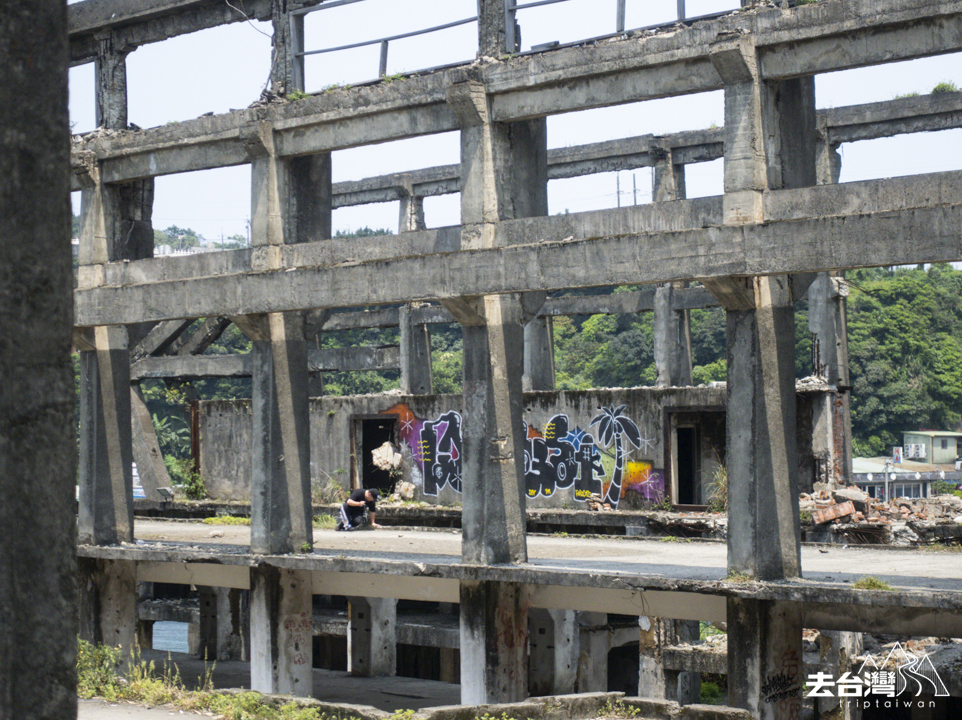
[441,452]
[590,470]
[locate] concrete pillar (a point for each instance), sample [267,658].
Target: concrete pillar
[671,336]
[111,82]
[209,625]
[494,642]
[282,629]
[411,212]
[763,516]
[106,512]
[416,377]
[287,71]
[538,355]
[38,457]
[309,205]
[594,642]
[372,637]
[769,144]
[837,652]
[654,679]
[553,652]
[503,176]
[655,635]
[108,602]
[765,672]
[671,339]
[687,684]
[281,472]
[233,624]
[827,323]
[491,25]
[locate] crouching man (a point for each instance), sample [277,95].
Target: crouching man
[352,511]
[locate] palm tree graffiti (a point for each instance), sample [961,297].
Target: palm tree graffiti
[613,425]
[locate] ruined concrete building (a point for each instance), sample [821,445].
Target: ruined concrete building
[782,229]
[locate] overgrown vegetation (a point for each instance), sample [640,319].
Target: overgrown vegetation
[146,684]
[944,87]
[718,489]
[871,582]
[324,522]
[297,95]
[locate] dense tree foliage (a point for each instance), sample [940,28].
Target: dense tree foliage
[905,353]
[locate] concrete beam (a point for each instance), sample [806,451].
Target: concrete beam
[147,21]
[318,359]
[806,245]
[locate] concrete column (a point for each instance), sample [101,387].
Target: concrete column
[416,377]
[769,144]
[837,652]
[594,642]
[38,459]
[372,637]
[233,638]
[671,339]
[655,635]
[281,472]
[765,672]
[309,208]
[106,512]
[553,652]
[503,176]
[281,631]
[763,518]
[108,602]
[494,642]
[672,331]
[538,355]
[207,635]
[287,71]
[111,77]
[411,212]
[491,38]
[688,684]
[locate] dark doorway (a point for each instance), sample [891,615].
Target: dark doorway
[623,669]
[370,434]
[688,475]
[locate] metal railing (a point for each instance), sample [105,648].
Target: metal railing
[511,28]
[297,38]
[512,31]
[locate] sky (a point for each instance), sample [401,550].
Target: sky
[227,68]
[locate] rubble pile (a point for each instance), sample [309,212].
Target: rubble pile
[907,521]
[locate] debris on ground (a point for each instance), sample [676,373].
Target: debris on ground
[905,521]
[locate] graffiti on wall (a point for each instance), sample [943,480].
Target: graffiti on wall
[435,447]
[559,457]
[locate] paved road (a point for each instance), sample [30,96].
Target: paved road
[699,560]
